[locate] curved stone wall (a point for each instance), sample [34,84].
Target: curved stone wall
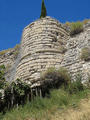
[42,46]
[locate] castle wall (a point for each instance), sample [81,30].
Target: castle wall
[42,46]
[72,60]
[46,43]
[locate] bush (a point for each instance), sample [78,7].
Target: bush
[76,28]
[76,85]
[67,24]
[89,80]
[85,54]
[56,78]
[87,83]
[2,77]
[41,108]
[86,21]
[59,97]
[17,92]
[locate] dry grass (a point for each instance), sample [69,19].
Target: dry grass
[4,52]
[85,54]
[60,106]
[85,21]
[81,113]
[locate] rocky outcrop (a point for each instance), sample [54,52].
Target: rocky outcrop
[72,60]
[8,58]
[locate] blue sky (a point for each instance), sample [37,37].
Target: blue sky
[16,14]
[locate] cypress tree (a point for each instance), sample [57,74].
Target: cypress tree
[43,10]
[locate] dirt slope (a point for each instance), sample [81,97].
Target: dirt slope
[81,113]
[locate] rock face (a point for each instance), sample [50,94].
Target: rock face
[42,45]
[46,43]
[72,60]
[8,58]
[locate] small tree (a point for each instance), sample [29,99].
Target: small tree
[43,10]
[2,76]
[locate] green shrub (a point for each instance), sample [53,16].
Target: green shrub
[59,97]
[76,28]
[39,108]
[56,78]
[64,75]
[85,54]
[87,83]
[89,80]
[76,85]
[16,93]
[2,67]
[2,77]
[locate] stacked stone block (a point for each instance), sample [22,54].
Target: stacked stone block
[42,46]
[72,60]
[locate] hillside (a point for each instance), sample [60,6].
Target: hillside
[60,106]
[81,113]
[47,76]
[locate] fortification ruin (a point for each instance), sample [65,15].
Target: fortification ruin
[42,46]
[46,43]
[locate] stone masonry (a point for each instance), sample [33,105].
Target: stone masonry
[46,43]
[42,46]
[72,60]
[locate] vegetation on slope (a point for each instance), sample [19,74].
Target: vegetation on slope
[76,27]
[85,54]
[67,95]
[44,108]
[11,51]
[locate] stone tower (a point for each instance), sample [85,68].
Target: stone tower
[42,46]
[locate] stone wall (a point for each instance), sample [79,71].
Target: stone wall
[46,43]
[43,45]
[72,60]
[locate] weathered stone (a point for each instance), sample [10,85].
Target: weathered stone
[40,48]
[46,43]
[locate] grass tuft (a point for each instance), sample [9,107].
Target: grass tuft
[43,108]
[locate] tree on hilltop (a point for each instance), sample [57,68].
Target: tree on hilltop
[43,10]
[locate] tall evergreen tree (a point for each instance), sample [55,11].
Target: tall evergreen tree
[43,10]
